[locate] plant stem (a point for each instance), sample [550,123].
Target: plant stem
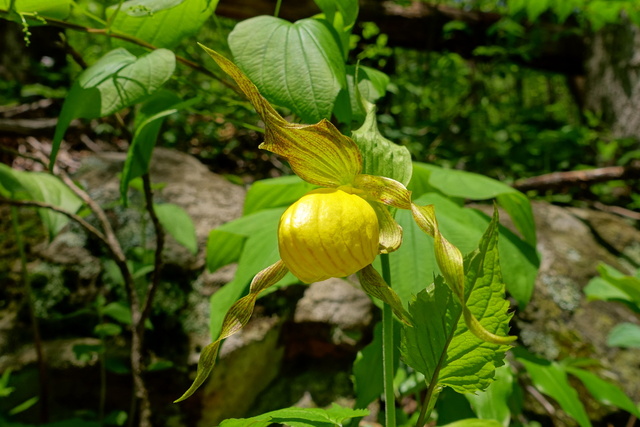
[387,351]
[277,11]
[37,339]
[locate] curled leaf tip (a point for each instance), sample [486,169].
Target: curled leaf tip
[481,332]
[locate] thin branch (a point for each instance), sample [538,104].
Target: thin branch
[121,36]
[35,204]
[160,239]
[557,180]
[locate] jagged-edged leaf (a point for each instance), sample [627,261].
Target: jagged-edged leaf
[625,335]
[147,127]
[603,391]
[473,422]
[275,192]
[115,81]
[300,417]
[413,265]
[58,9]
[296,65]
[468,185]
[493,403]
[379,155]
[177,222]
[41,187]
[551,379]
[440,343]
[162,23]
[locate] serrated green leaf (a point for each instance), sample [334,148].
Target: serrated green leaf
[162,23]
[473,422]
[551,379]
[493,403]
[604,392]
[177,222]
[298,66]
[625,335]
[300,417]
[41,187]
[274,193]
[115,81]
[440,342]
[379,155]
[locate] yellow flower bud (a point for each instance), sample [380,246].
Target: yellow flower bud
[328,233]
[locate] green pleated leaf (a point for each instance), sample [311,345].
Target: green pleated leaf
[41,187]
[275,192]
[115,81]
[379,155]
[177,222]
[603,391]
[441,343]
[468,185]
[625,335]
[493,403]
[551,379]
[296,65]
[300,417]
[162,23]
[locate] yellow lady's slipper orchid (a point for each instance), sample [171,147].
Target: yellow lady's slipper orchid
[328,233]
[337,230]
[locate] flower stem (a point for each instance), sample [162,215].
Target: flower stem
[387,350]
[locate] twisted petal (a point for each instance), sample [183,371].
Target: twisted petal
[390,230]
[237,317]
[373,284]
[317,153]
[451,263]
[383,190]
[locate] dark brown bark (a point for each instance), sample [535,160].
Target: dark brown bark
[419,26]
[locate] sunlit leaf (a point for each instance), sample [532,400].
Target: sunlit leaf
[58,9]
[300,417]
[625,335]
[296,65]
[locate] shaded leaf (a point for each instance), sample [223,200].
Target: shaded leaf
[177,222]
[625,335]
[300,417]
[58,9]
[493,403]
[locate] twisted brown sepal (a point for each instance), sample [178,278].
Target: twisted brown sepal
[237,317]
[373,284]
[451,263]
[317,153]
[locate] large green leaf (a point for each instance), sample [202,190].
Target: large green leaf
[162,23]
[298,66]
[379,155]
[493,403]
[115,81]
[275,192]
[551,379]
[603,391]
[300,417]
[58,9]
[177,222]
[467,185]
[372,85]
[440,345]
[41,187]
[413,265]
[342,14]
